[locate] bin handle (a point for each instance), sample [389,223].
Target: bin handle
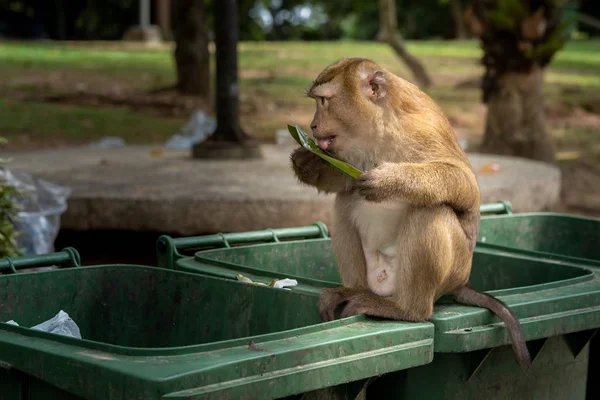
[67,258]
[168,249]
[499,207]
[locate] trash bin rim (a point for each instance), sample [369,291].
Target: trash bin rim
[173,351]
[587,272]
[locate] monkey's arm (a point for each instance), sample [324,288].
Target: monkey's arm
[347,245]
[314,171]
[423,184]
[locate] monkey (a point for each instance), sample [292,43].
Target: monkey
[403,233]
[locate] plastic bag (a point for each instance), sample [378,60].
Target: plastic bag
[282,137]
[198,128]
[60,324]
[38,221]
[108,142]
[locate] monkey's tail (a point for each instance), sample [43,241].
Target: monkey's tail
[469,296]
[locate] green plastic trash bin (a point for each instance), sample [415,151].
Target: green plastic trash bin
[152,333]
[558,304]
[546,236]
[543,234]
[302,253]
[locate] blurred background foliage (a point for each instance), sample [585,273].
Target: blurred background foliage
[273,20]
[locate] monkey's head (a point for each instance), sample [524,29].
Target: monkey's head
[352,98]
[366,114]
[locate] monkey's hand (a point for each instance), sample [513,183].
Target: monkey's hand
[379,184]
[307,165]
[314,171]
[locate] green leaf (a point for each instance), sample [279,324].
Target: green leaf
[303,140]
[501,21]
[507,15]
[8,211]
[553,44]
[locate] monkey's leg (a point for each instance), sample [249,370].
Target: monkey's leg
[432,258]
[312,170]
[347,245]
[349,257]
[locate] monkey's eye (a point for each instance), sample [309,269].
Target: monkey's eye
[322,100]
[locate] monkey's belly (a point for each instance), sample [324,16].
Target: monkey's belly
[379,225]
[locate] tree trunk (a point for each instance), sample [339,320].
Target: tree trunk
[457,17]
[60,20]
[515,119]
[163,16]
[191,53]
[388,32]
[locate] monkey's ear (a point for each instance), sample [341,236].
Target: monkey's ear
[376,85]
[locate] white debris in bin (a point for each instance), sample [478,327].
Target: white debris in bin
[275,283]
[60,324]
[285,283]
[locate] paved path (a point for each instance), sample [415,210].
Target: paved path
[134,188]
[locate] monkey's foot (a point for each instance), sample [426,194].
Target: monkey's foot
[331,298]
[359,301]
[367,303]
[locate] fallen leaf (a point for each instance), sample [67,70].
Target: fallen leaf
[489,168]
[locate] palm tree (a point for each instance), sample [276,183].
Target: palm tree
[519,39]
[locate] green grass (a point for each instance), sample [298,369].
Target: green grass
[270,73]
[43,123]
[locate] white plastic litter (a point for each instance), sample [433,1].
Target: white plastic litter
[197,129]
[275,283]
[60,324]
[284,283]
[283,137]
[38,222]
[108,142]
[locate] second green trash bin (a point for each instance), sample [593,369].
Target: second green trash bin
[542,234]
[557,303]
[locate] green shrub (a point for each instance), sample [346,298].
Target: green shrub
[8,211]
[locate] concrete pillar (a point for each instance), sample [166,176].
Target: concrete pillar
[144,32]
[144,14]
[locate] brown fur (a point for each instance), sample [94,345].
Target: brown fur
[403,233]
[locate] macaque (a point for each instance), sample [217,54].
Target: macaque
[404,232]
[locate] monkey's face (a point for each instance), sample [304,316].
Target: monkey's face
[344,121]
[329,127]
